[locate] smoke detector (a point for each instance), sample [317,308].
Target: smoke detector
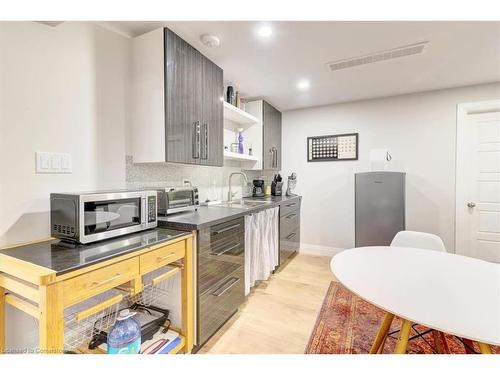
[210,40]
[412,49]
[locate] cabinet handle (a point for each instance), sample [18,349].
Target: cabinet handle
[204,154]
[196,140]
[291,216]
[165,276]
[226,229]
[291,204]
[290,236]
[275,157]
[99,307]
[159,259]
[226,286]
[225,250]
[100,283]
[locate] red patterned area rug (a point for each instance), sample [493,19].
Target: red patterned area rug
[347,324]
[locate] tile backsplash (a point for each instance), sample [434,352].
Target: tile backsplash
[212,182]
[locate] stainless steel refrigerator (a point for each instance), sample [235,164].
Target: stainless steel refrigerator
[379,207]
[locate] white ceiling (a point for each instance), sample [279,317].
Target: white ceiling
[458,54]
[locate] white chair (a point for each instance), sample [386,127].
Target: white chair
[421,240]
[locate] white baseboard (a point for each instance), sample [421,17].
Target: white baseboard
[326,251]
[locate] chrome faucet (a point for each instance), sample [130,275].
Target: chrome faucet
[230,193]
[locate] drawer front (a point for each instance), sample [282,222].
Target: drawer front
[289,222]
[219,303]
[225,242]
[162,256]
[289,244]
[227,230]
[293,235]
[290,206]
[98,281]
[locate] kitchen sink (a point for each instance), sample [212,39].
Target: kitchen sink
[245,204]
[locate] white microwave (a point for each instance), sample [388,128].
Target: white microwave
[94,216]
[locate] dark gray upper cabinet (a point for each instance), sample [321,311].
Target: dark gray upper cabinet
[193,108]
[183,85]
[212,142]
[176,107]
[272,137]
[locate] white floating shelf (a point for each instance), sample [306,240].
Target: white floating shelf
[238,117]
[240,157]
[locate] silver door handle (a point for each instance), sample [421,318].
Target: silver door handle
[226,250]
[226,229]
[196,140]
[226,286]
[204,155]
[471,204]
[274,157]
[144,211]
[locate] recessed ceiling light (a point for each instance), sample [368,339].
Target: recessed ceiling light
[303,84]
[265,31]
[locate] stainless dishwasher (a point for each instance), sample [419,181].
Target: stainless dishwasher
[220,276]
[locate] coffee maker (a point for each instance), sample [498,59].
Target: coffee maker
[258,188]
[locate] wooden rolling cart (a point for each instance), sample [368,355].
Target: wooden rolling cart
[75,301]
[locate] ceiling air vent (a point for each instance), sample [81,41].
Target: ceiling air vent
[412,49]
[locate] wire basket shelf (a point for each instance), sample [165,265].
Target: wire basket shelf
[157,286]
[86,319]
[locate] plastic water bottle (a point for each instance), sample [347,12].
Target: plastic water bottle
[240,141]
[125,336]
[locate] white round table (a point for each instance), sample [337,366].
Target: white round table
[447,292]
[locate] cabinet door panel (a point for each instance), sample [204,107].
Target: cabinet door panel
[272,137]
[212,112]
[277,138]
[183,69]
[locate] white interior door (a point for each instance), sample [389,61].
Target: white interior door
[478,186]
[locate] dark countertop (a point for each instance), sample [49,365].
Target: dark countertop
[212,215]
[64,257]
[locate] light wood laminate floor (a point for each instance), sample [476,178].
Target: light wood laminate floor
[279,313]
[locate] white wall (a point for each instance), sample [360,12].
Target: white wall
[62,89]
[419,130]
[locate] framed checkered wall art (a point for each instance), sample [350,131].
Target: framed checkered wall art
[332,147]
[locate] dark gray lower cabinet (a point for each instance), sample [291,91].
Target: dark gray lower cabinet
[220,275]
[289,228]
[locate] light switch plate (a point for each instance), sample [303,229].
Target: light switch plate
[42,162]
[53,162]
[66,163]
